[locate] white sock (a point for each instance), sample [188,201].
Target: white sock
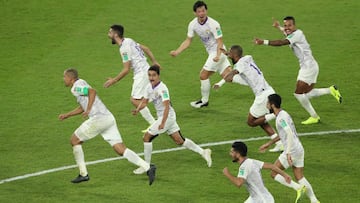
[189,144]
[305,103]
[146,114]
[205,90]
[318,92]
[80,160]
[147,151]
[238,79]
[279,178]
[309,191]
[132,157]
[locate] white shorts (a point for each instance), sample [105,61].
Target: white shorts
[269,199]
[170,127]
[308,72]
[104,125]
[219,66]
[298,161]
[141,80]
[258,108]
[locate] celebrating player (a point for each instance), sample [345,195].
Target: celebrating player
[309,68]
[210,33]
[133,57]
[250,174]
[293,155]
[158,93]
[251,75]
[101,121]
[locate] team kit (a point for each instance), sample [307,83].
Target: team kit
[234,67]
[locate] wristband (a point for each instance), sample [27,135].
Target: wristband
[266,42]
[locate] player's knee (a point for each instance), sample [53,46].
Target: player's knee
[273,174]
[74,140]
[251,123]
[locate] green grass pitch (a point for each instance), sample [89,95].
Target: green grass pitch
[39,39]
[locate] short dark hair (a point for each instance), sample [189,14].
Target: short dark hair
[275,99]
[240,147]
[237,49]
[199,4]
[155,68]
[72,72]
[118,29]
[290,18]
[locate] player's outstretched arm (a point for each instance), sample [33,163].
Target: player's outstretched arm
[141,105]
[149,54]
[184,45]
[122,74]
[279,42]
[74,112]
[272,167]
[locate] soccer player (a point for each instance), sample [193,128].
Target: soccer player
[293,155]
[158,93]
[251,75]
[133,58]
[250,174]
[100,121]
[210,33]
[309,68]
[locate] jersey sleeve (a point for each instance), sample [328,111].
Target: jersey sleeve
[191,32]
[258,163]
[295,36]
[164,93]
[216,29]
[80,89]
[240,66]
[125,53]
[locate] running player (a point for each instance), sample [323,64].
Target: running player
[101,121]
[158,93]
[309,68]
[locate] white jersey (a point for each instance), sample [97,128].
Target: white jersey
[284,122]
[208,32]
[300,47]
[131,51]
[80,91]
[158,95]
[251,74]
[250,171]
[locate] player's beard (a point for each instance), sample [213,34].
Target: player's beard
[271,110]
[113,41]
[235,160]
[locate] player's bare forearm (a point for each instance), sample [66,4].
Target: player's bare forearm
[141,105]
[121,75]
[184,45]
[230,75]
[166,111]
[235,180]
[74,112]
[279,42]
[149,54]
[91,96]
